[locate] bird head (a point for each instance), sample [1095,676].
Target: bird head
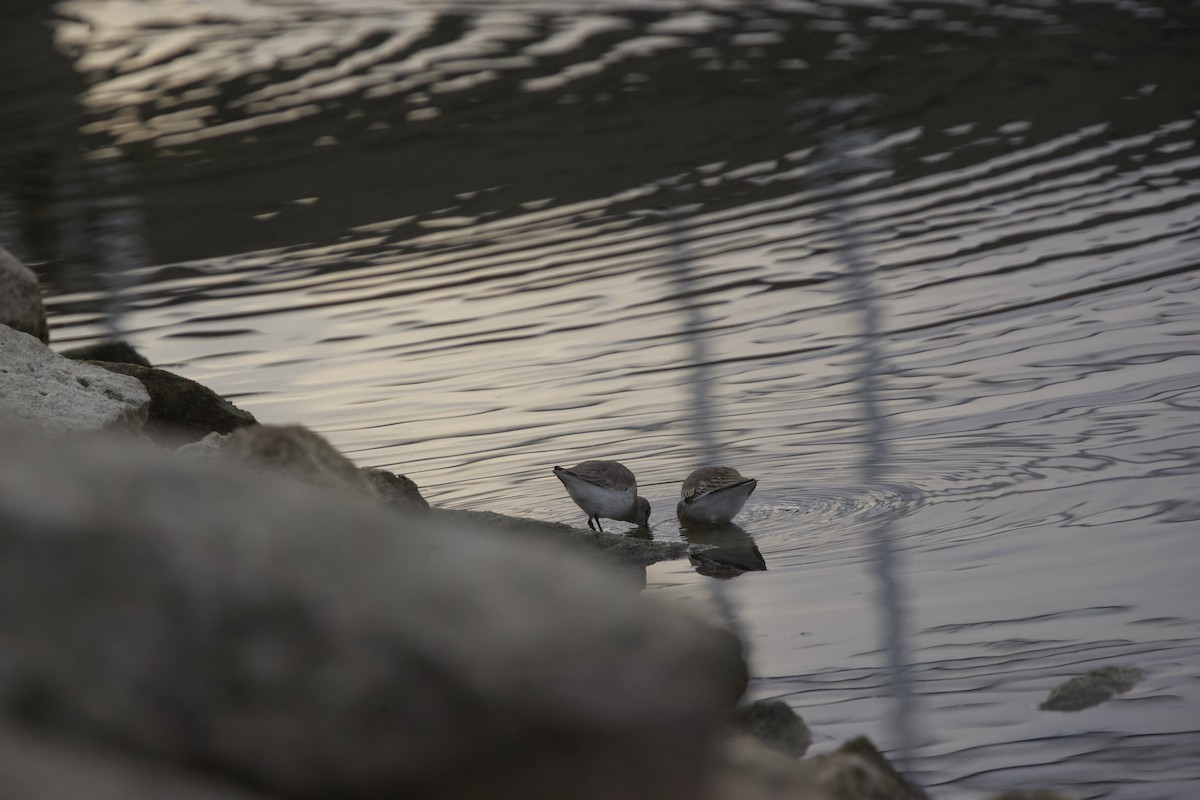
[643,512]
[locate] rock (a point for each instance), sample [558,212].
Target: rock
[400,492]
[301,454]
[298,453]
[205,613]
[629,555]
[114,351]
[43,390]
[34,767]
[21,298]
[208,447]
[629,549]
[858,771]
[181,410]
[775,724]
[746,769]
[1091,689]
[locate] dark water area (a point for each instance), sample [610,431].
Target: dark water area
[471,241]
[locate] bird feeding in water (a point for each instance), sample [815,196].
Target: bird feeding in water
[605,489]
[713,495]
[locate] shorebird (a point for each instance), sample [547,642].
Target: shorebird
[605,489]
[714,495]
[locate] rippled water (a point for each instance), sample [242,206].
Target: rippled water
[471,241]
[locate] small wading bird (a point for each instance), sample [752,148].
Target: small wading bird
[605,489]
[713,495]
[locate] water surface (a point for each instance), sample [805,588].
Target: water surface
[468,242]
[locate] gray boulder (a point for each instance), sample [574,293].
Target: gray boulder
[855,771]
[21,305]
[286,638]
[298,453]
[208,447]
[399,491]
[629,554]
[39,767]
[181,410]
[115,351]
[43,390]
[746,768]
[775,724]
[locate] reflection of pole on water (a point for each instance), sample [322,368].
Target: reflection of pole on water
[75,217]
[119,236]
[85,229]
[892,611]
[701,414]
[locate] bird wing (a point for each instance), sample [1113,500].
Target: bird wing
[710,479]
[608,474]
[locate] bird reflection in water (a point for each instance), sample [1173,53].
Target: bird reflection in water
[730,552]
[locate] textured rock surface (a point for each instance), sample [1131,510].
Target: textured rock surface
[298,453]
[35,767]
[856,771]
[629,554]
[628,549]
[181,410]
[400,492]
[775,724]
[208,447]
[114,351]
[21,298]
[746,769]
[287,638]
[43,390]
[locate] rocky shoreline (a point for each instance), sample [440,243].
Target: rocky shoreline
[197,605]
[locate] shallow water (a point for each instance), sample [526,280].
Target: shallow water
[471,241]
